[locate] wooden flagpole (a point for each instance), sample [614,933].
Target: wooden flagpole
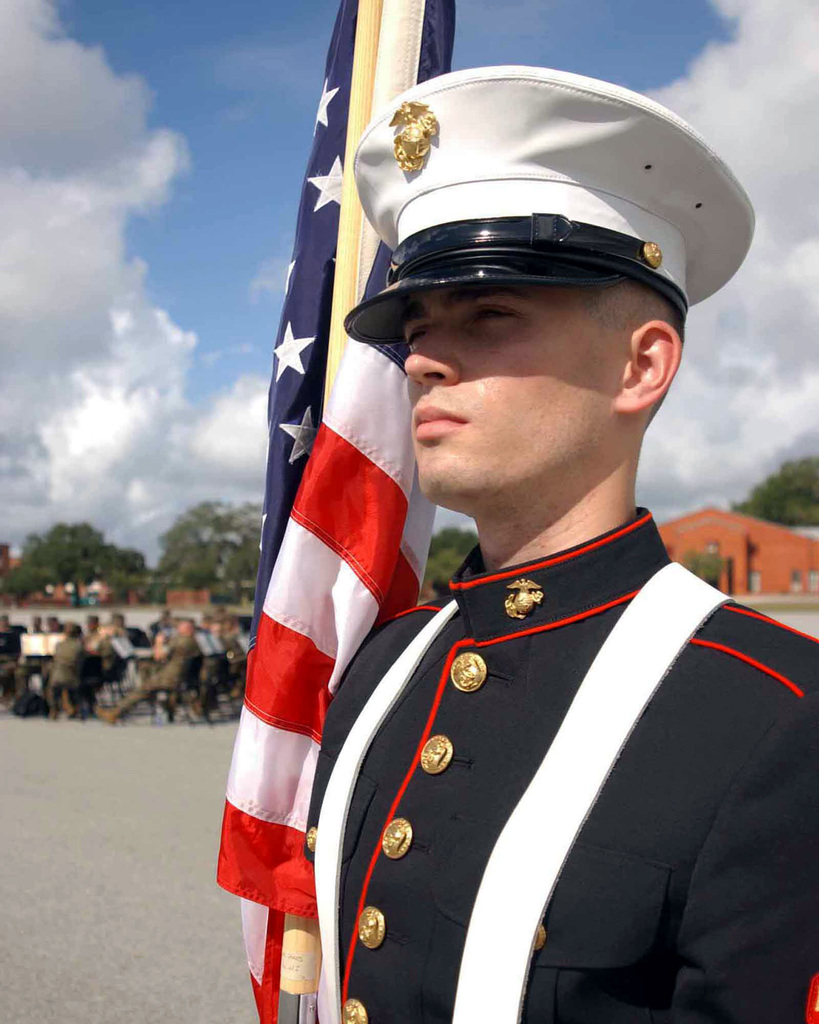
[301,948]
[345,287]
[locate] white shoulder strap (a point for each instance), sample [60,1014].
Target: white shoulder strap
[529,854]
[336,803]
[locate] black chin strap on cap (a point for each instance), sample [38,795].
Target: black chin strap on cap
[543,234]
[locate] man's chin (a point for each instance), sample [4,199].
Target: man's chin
[453,494]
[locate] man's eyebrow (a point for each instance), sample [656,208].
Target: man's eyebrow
[415,310]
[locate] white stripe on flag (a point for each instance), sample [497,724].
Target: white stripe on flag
[417,529]
[271,774]
[313,591]
[369,407]
[254,930]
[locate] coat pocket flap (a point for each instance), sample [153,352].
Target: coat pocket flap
[605,911]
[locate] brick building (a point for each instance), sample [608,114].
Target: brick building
[757,557]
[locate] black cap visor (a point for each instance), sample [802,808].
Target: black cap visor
[481,254]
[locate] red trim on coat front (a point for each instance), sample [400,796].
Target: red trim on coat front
[753,663]
[770,621]
[812,1007]
[469,584]
[468,642]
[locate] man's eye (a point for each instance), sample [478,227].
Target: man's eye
[413,337]
[487,313]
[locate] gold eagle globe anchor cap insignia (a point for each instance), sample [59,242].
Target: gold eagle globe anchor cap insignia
[522,603]
[412,143]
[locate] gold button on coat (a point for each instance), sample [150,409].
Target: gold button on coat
[540,937]
[437,754]
[468,672]
[355,1012]
[397,838]
[311,839]
[372,927]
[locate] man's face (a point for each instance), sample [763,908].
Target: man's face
[512,393]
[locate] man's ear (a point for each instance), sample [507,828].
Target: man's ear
[655,351]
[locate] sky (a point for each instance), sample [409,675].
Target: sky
[151,157]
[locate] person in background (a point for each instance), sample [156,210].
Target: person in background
[28,667]
[173,660]
[236,655]
[92,633]
[66,673]
[164,624]
[53,625]
[9,657]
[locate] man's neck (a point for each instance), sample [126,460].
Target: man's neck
[531,531]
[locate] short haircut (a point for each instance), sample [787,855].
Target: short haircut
[627,304]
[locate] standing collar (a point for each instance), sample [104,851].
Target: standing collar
[563,585]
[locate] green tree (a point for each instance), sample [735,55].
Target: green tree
[789,496]
[705,564]
[447,550]
[75,553]
[212,545]
[25,580]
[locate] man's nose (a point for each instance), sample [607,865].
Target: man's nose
[432,363]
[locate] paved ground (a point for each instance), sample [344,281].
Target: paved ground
[110,913]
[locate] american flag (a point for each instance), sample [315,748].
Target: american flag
[345,531]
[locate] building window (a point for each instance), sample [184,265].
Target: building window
[813,581]
[796,581]
[755,582]
[712,547]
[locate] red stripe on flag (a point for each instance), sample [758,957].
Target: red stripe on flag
[287,680]
[267,994]
[265,862]
[363,523]
[403,592]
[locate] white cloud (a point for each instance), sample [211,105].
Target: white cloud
[271,278]
[748,395]
[94,419]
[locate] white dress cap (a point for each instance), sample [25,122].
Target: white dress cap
[516,141]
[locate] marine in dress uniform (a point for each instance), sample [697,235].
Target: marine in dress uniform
[689,895]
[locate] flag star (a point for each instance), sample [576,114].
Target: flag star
[291,267]
[324,103]
[289,352]
[303,434]
[329,185]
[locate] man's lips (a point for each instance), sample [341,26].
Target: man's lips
[430,421]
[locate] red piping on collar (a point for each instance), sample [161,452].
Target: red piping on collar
[753,663]
[553,561]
